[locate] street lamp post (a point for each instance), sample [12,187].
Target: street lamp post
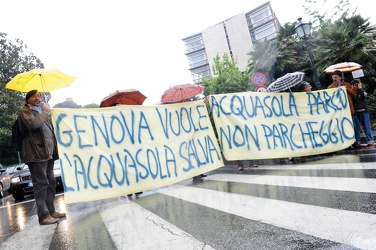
[303,29]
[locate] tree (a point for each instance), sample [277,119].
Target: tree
[13,60]
[227,77]
[68,103]
[91,105]
[348,40]
[277,57]
[263,58]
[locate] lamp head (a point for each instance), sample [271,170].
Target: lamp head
[303,28]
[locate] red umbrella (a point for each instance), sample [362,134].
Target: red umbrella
[180,93]
[127,97]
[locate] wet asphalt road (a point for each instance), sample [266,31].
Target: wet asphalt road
[319,202]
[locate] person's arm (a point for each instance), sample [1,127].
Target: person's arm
[362,94]
[350,90]
[31,121]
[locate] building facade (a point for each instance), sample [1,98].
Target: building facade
[234,36]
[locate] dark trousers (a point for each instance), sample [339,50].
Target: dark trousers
[42,176]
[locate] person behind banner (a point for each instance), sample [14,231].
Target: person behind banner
[39,152]
[362,112]
[305,87]
[338,81]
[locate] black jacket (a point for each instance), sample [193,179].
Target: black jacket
[360,103]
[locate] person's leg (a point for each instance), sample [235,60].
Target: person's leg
[241,165]
[356,128]
[366,122]
[38,172]
[51,188]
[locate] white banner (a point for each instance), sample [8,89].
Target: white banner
[109,152]
[256,125]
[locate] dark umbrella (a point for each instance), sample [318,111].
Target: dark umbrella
[126,97]
[180,93]
[286,82]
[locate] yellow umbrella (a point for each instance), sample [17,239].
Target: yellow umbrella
[43,80]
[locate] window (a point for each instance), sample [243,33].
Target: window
[194,43]
[197,59]
[198,73]
[259,17]
[267,31]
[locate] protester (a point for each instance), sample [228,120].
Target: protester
[39,152]
[338,81]
[305,87]
[362,112]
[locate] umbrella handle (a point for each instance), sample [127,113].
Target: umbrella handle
[43,85]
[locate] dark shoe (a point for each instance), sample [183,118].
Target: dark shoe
[129,194]
[199,176]
[355,145]
[138,193]
[48,221]
[57,215]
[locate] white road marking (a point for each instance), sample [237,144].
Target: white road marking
[347,227]
[133,227]
[32,237]
[330,183]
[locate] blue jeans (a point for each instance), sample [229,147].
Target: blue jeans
[366,123]
[356,127]
[42,176]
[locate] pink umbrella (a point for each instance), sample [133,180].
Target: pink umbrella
[179,93]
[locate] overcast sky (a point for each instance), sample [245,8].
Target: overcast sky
[112,45]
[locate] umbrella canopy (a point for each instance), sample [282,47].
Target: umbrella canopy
[285,82]
[180,93]
[43,80]
[343,67]
[127,97]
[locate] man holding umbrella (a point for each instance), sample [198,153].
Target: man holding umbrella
[39,151]
[339,82]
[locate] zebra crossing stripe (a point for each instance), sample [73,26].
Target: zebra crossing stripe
[31,236]
[352,166]
[346,227]
[133,227]
[329,183]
